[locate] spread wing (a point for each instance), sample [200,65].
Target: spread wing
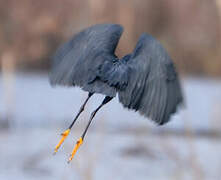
[78,61]
[153,88]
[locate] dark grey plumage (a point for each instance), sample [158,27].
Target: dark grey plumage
[146,79]
[78,61]
[153,88]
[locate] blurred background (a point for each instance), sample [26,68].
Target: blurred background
[120,144]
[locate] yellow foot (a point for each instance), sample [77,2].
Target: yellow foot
[64,135]
[77,145]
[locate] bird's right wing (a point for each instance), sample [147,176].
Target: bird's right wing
[153,88]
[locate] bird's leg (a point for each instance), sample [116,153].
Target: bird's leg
[66,132]
[80,140]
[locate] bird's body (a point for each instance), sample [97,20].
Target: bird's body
[145,80]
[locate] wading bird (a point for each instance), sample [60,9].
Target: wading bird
[145,80]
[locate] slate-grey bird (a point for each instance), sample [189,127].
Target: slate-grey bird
[145,80]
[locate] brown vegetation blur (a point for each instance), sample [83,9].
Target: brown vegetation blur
[32,30]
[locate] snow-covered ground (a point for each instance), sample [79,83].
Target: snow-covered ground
[120,144]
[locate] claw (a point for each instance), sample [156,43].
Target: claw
[64,136]
[77,145]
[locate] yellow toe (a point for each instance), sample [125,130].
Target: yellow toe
[64,136]
[77,145]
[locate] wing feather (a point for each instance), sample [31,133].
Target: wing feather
[153,87]
[77,62]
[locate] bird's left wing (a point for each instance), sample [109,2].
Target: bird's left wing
[153,88]
[78,60]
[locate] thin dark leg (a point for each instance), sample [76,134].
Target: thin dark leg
[105,101]
[81,110]
[66,132]
[80,141]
